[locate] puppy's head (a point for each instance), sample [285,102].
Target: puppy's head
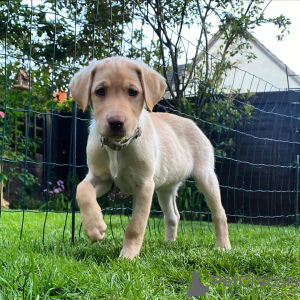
[117,89]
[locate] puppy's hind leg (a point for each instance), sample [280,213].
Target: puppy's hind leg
[207,183]
[167,202]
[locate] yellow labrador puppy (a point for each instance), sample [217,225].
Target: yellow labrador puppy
[140,151]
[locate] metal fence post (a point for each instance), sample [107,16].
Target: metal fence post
[74,120]
[297,194]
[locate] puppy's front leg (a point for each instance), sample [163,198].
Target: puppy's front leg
[135,230]
[91,215]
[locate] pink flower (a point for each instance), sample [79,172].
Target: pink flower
[2,114]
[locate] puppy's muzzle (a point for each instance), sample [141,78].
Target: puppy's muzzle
[116,123]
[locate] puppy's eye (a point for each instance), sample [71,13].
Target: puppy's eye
[100,92]
[132,92]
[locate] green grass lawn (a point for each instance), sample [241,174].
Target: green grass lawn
[31,269]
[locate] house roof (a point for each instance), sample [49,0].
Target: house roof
[24,74]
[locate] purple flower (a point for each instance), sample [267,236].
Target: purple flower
[45,190]
[50,182]
[60,183]
[57,190]
[50,192]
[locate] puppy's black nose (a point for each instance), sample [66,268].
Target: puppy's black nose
[116,123]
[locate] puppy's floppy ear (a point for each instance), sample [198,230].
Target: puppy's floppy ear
[81,85]
[153,84]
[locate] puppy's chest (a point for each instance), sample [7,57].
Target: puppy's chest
[120,171]
[114,167]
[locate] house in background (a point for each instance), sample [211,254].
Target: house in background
[247,76]
[264,73]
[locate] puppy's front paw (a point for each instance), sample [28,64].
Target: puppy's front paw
[94,225]
[129,253]
[96,233]
[223,246]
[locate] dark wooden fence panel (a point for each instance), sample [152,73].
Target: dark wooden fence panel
[263,165]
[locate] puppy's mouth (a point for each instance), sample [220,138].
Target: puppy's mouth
[119,136]
[116,136]
[117,133]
